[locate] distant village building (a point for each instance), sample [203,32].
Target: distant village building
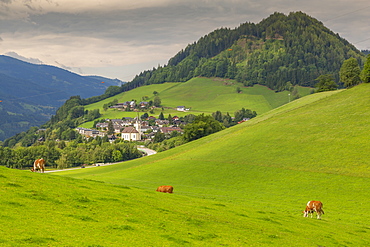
[161,123]
[180,108]
[168,130]
[130,134]
[89,132]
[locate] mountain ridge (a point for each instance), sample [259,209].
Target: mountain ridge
[31,93]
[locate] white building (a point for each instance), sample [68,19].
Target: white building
[131,134]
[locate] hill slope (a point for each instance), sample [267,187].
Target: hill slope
[31,93]
[201,95]
[314,148]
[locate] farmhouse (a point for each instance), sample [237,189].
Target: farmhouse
[180,108]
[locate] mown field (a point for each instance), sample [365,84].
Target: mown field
[266,170]
[202,95]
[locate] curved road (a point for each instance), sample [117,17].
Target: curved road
[142,149]
[147,150]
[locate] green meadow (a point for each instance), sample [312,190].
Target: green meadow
[201,95]
[244,186]
[265,170]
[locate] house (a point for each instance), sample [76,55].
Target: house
[117,121]
[180,108]
[102,125]
[144,104]
[161,123]
[130,134]
[169,130]
[118,105]
[81,130]
[112,138]
[92,133]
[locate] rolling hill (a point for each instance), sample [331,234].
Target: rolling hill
[201,95]
[314,148]
[31,93]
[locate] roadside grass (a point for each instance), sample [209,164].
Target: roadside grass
[202,95]
[315,148]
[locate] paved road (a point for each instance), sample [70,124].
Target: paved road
[147,150]
[143,149]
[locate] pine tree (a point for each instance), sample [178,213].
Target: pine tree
[365,73]
[110,128]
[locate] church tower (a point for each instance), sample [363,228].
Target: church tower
[137,126]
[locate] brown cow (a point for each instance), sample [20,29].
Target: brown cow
[313,206]
[165,189]
[39,164]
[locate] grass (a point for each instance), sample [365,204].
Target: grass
[244,186]
[49,210]
[315,148]
[202,95]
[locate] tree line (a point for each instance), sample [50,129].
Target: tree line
[64,155]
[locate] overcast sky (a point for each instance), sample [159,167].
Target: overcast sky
[121,38]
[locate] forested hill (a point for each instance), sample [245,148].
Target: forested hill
[293,48]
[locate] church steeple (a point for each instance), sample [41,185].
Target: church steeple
[137,125]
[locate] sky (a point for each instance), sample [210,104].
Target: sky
[121,38]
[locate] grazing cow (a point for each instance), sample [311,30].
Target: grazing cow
[313,206]
[39,164]
[165,189]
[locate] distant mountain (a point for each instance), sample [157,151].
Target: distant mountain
[294,48]
[31,93]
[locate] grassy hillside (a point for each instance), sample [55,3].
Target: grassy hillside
[315,148]
[46,210]
[202,95]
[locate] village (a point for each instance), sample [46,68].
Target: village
[134,129]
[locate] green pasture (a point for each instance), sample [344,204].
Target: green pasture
[202,95]
[315,148]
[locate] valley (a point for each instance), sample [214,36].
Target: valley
[235,183]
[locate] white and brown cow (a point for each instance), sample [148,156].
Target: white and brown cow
[313,206]
[39,164]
